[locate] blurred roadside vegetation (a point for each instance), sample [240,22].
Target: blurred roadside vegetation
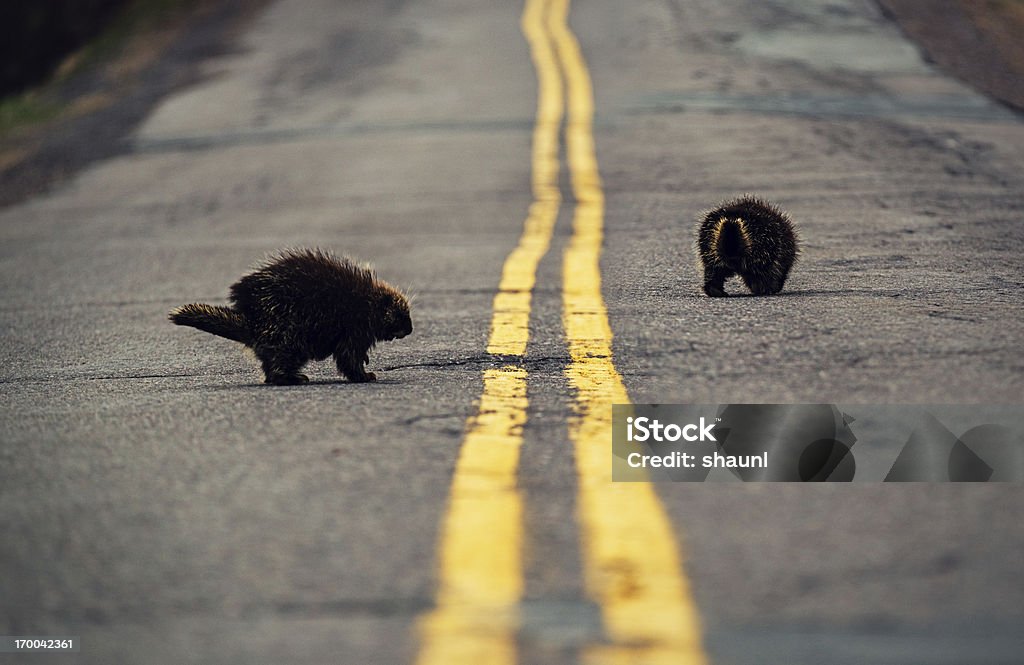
[36,36]
[43,43]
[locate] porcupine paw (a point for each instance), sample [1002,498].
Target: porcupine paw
[714,290]
[764,286]
[287,379]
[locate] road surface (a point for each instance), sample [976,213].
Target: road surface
[159,502]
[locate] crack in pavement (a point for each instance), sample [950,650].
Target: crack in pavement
[485,359]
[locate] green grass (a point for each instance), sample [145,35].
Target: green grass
[25,109]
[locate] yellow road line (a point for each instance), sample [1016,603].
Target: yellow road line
[510,325]
[480,572]
[632,565]
[476,615]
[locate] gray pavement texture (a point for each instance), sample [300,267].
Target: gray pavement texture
[161,503]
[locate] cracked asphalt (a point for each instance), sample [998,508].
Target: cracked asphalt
[160,502]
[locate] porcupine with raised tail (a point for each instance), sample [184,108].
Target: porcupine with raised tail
[749,237]
[304,305]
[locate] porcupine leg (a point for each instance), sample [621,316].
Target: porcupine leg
[351,363]
[781,278]
[763,284]
[281,366]
[714,280]
[758,284]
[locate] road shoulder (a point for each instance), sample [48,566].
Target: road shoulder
[96,108]
[977,41]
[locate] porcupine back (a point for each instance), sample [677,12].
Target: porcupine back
[751,237]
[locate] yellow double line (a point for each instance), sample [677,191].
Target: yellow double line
[632,567]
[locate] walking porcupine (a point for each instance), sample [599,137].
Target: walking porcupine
[749,237]
[306,305]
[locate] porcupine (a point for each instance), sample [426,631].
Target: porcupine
[304,305]
[749,237]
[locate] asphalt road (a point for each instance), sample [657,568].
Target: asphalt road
[161,503]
